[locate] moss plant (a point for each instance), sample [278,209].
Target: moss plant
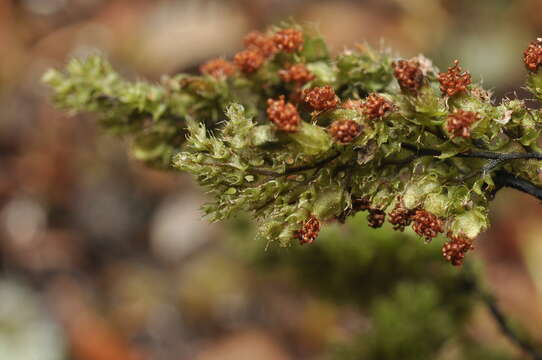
[298,138]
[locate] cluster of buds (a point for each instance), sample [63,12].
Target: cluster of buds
[400,217]
[426,224]
[264,44]
[454,81]
[283,114]
[355,105]
[454,250]
[309,231]
[409,75]
[321,98]
[344,131]
[249,60]
[376,217]
[218,68]
[459,123]
[260,47]
[298,74]
[289,40]
[532,57]
[376,106]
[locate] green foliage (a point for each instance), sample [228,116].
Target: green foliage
[409,154]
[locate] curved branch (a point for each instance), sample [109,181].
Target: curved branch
[501,178]
[500,156]
[504,178]
[476,154]
[505,328]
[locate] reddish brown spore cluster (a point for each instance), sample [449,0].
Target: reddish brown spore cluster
[249,60]
[309,231]
[289,40]
[350,104]
[321,98]
[376,106]
[376,217]
[459,123]
[454,81]
[454,250]
[283,114]
[298,74]
[532,56]
[426,224]
[400,217]
[256,40]
[344,131]
[218,68]
[409,75]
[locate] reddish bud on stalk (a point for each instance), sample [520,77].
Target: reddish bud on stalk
[409,75]
[459,123]
[454,250]
[255,40]
[376,217]
[344,131]
[400,217]
[454,81]
[297,73]
[532,56]
[284,115]
[376,106]
[426,224]
[249,60]
[309,231]
[218,68]
[289,40]
[321,98]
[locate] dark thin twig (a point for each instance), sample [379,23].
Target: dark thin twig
[505,328]
[504,178]
[476,154]
[501,178]
[500,317]
[490,165]
[500,156]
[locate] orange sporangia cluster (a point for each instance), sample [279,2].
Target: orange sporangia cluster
[289,40]
[376,106]
[309,231]
[532,56]
[353,105]
[283,114]
[454,250]
[297,73]
[321,98]
[409,74]
[400,217]
[454,81]
[426,224]
[344,131]
[460,121]
[256,40]
[376,217]
[218,68]
[249,60]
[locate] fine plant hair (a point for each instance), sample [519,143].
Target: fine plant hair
[298,138]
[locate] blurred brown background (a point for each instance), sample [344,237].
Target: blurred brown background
[103,259]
